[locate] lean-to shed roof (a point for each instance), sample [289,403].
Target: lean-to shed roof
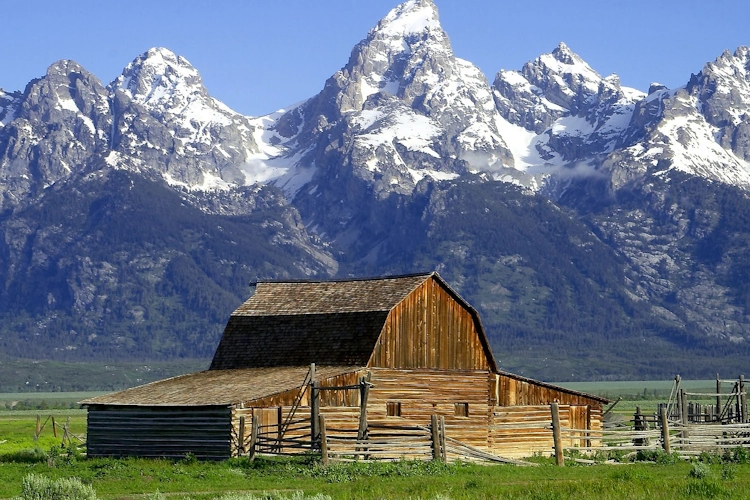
[217,387]
[303,322]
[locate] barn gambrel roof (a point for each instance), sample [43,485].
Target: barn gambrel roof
[295,323]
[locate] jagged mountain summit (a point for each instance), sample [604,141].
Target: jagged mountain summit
[578,214]
[166,120]
[572,116]
[700,129]
[403,108]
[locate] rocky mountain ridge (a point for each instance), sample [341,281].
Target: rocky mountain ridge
[581,190]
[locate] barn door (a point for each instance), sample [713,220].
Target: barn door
[269,422]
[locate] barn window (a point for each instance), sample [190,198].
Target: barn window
[393,408]
[461,409]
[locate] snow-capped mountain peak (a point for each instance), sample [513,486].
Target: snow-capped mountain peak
[409,18]
[194,141]
[157,77]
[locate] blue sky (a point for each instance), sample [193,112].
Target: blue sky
[258,55]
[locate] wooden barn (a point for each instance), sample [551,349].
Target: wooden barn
[364,353]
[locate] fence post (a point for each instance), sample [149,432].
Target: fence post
[718,397]
[683,414]
[557,434]
[314,415]
[323,440]
[364,392]
[65,432]
[638,426]
[241,437]
[435,437]
[54,426]
[254,436]
[664,430]
[444,451]
[743,400]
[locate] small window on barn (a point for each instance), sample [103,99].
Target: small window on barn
[393,408]
[461,409]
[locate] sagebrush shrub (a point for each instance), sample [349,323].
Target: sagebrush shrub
[38,487]
[700,471]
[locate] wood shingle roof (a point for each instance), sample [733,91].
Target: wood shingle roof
[325,297]
[298,323]
[217,387]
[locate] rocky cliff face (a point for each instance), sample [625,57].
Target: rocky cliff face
[51,131]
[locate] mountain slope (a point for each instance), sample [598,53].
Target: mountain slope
[111,265]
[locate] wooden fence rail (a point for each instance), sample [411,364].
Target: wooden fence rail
[665,434]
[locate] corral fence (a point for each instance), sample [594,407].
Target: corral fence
[58,430]
[380,442]
[682,426]
[664,434]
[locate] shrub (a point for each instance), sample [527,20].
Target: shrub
[658,456]
[738,455]
[700,471]
[709,458]
[37,487]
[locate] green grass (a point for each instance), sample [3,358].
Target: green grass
[131,478]
[29,378]
[640,389]
[18,429]
[43,401]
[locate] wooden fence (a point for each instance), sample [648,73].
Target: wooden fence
[382,442]
[685,439]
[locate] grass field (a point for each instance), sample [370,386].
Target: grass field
[41,401]
[18,429]
[640,389]
[125,479]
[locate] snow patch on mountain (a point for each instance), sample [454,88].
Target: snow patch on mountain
[9,103]
[691,143]
[410,130]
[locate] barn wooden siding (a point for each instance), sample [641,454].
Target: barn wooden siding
[521,431]
[152,431]
[508,390]
[430,329]
[423,393]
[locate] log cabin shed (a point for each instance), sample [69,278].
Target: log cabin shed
[417,346]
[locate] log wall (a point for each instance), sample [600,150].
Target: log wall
[430,329]
[423,393]
[518,426]
[169,432]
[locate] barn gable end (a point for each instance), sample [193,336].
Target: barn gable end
[432,328]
